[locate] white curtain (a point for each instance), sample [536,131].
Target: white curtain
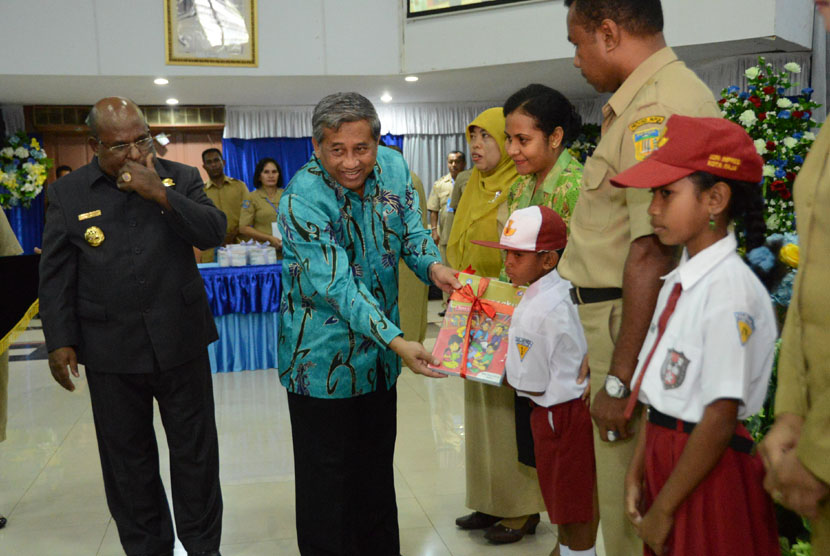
[720,74]
[13,118]
[427,154]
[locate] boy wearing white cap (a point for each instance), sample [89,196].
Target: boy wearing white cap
[546,351]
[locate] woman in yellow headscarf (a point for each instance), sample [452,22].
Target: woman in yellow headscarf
[503,493]
[482,212]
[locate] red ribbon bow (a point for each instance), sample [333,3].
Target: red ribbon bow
[477,303]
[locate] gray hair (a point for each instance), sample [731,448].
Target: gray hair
[340,108]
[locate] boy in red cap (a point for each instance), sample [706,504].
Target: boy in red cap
[694,485]
[546,351]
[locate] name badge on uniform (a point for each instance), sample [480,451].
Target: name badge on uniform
[94,236]
[168,182]
[88,215]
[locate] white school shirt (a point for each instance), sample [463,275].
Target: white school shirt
[546,343]
[718,343]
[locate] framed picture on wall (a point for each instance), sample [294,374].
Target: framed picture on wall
[210,32]
[423,8]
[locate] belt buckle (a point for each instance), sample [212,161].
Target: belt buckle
[575,297]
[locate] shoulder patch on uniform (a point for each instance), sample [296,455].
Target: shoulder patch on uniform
[647,120]
[523,345]
[246,203]
[746,326]
[646,142]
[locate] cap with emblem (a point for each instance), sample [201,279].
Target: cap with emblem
[690,145]
[532,229]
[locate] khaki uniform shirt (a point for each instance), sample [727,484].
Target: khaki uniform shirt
[438,202]
[259,211]
[228,198]
[804,363]
[607,219]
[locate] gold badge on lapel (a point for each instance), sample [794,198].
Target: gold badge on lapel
[94,236]
[168,182]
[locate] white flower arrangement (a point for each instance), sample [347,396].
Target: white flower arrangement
[23,170]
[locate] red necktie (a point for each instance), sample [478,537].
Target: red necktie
[661,327]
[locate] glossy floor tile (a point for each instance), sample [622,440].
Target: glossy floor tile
[51,488]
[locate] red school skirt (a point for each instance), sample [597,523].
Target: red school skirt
[565,461]
[729,513]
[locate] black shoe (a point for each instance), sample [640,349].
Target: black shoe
[3,521]
[499,534]
[442,313]
[205,553]
[477,520]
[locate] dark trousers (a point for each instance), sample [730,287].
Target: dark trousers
[344,479]
[122,406]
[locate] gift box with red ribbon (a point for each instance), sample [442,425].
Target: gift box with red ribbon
[472,342]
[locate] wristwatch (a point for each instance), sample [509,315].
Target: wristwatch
[615,387]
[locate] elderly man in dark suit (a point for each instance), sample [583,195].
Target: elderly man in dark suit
[121,294]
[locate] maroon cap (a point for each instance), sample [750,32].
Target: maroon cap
[532,229]
[713,145]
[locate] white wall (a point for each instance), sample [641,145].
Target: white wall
[349,37]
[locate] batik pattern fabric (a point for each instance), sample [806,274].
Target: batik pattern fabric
[339,304]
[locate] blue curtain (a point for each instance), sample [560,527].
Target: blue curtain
[241,155]
[27,223]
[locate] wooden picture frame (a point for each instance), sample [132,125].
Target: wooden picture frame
[210,33]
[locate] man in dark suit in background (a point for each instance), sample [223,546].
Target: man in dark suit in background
[121,294]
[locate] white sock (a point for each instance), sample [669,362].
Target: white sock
[590,552]
[564,550]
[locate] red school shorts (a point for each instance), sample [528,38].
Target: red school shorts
[565,460]
[728,513]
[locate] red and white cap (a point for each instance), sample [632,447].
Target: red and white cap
[533,229]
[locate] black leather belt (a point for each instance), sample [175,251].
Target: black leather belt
[581,296]
[738,443]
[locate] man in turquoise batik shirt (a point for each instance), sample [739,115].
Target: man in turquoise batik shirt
[347,218]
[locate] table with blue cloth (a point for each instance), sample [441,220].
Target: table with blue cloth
[245,303]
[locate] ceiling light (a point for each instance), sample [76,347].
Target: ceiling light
[411,78]
[386,97]
[172,101]
[160,81]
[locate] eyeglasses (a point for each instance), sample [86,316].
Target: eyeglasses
[143,145]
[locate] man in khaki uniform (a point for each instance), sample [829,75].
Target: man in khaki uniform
[438,201]
[226,193]
[796,451]
[613,258]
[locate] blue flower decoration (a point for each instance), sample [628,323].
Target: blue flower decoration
[781,90]
[31,160]
[798,135]
[798,159]
[785,114]
[780,173]
[805,116]
[762,259]
[733,89]
[751,88]
[743,96]
[807,91]
[14,140]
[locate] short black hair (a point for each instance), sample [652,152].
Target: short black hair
[638,17]
[548,107]
[463,156]
[260,166]
[212,150]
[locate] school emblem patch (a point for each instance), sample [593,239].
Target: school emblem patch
[674,369]
[523,345]
[646,142]
[246,203]
[746,326]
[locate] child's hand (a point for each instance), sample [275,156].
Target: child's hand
[585,373]
[654,529]
[633,499]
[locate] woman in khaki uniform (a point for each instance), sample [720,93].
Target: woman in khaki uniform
[503,493]
[259,210]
